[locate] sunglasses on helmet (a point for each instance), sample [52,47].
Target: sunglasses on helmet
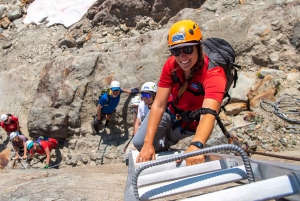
[146,95]
[185,49]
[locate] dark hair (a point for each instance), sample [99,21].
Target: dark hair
[198,66]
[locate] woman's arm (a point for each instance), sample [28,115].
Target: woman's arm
[31,154]
[99,112]
[47,151]
[16,151]
[157,109]
[126,91]
[18,127]
[204,130]
[25,150]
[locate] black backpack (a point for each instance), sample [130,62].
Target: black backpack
[220,53]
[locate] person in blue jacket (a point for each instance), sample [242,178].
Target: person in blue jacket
[108,102]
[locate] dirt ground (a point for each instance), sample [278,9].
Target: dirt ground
[89,183]
[103,182]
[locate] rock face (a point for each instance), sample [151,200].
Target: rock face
[131,12]
[52,77]
[60,96]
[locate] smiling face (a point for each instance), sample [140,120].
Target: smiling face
[187,61]
[147,97]
[115,93]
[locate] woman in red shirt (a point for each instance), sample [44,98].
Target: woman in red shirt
[184,79]
[10,123]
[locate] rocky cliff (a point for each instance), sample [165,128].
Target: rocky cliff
[52,76]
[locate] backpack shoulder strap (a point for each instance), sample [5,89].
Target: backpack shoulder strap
[108,98]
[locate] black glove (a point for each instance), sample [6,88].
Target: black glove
[96,121]
[135,91]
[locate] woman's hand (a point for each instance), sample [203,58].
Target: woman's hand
[146,154]
[193,160]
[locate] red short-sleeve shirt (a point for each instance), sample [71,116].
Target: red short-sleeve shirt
[213,82]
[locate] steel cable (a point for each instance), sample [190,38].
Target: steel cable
[287,108]
[274,155]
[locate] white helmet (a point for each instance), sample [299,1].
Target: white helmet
[29,144]
[4,117]
[136,100]
[115,85]
[149,87]
[13,135]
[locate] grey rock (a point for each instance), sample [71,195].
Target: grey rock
[81,145]
[14,14]
[283,141]
[243,86]
[69,42]
[80,40]
[7,45]
[93,156]
[2,10]
[72,143]
[272,72]
[295,36]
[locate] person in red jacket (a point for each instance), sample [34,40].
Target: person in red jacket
[186,84]
[10,123]
[42,147]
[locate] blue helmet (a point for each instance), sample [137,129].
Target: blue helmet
[29,144]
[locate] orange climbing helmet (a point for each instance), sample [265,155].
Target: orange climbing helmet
[184,31]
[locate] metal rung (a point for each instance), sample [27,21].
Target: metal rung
[192,183]
[263,190]
[182,172]
[158,168]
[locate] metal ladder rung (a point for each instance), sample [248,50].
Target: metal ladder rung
[178,173]
[192,183]
[263,190]
[158,168]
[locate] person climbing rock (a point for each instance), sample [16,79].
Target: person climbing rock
[19,145]
[41,146]
[135,101]
[183,80]
[148,93]
[109,101]
[10,123]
